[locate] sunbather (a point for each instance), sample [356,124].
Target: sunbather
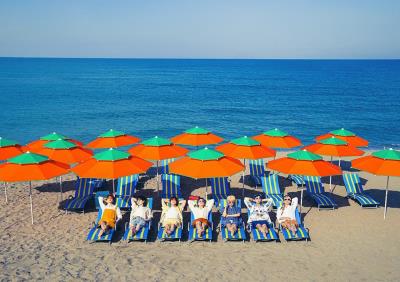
[259,213]
[200,210]
[231,215]
[110,214]
[286,214]
[171,217]
[140,214]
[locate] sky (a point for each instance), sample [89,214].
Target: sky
[201,28]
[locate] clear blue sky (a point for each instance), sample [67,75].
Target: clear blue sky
[201,28]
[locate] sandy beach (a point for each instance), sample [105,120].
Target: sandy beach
[347,244]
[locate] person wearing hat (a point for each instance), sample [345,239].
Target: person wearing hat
[259,209]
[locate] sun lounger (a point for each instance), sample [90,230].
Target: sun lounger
[84,191]
[297,179]
[240,235]
[301,234]
[259,237]
[356,192]
[143,233]
[171,186]
[270,186]
[175,236]
[220,189]
[315,189]
[165,165]
[125,189]
[257,170]
[207,236]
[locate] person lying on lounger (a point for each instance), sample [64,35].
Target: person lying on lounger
[286,214]
[200,210]
[259,213]
[171,216]
[110,214]
[231,215]
[140,214]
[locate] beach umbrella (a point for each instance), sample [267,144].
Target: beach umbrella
[66,152]
[111,164]
[304,163]
[334,147]
[347,136]
[385,163]
[157,149]
[30,167]
[206,163]
[196,136]
[246,148]
[38,144]
[9,149]
[113,139]
[276,138]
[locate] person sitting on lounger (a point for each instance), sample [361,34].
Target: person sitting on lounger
[140,214]
[171,217]
[286,214]
[259,213]
[110,214]
[200,212]
[231,215]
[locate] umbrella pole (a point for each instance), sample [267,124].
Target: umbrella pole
[5,192]
[244,162]
[330,178]
[113,186]
[157,178]
[301,200]
[386,194]
[206,189]
[61,191]
[30,199]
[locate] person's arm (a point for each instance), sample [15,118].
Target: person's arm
[248,202]
[149,214]
[134,202]
[268,203]
[119,215]
[164,203]
[295,201]
[279,214]
[210,204]
[191,204]
[182,204]
[101,202]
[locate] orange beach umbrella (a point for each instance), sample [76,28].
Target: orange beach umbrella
[65,151]
[385,162]
[30,167]
[196,136]
[113,139]
[9,149]
[347,136]
[38,144]
[276,138]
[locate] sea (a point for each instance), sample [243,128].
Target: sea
[82,98]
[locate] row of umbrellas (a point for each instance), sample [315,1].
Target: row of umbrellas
[55,154]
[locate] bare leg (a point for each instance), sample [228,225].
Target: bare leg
[203,228]
[167,229]
[138,226]
[172,228]
[264,229]
[103,226]
[198,228]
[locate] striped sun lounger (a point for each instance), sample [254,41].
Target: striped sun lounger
[171,186]
[94,232]
[240,235]
[315,189]
[220,189]
[301,234]
[143,233]
[84,191]
[356,192]
[207,236]
[270,186]
[125,189]
[165,165]
[257,170]
[259,237]
[297,179]
[163,236]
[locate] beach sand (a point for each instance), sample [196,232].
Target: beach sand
[349,243]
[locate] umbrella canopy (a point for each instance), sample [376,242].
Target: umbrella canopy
[206,163]
[157,149]
[385,162]
[304,163]
[9,149]
[346,135]
[38,144]
[111,164]
[276,138]
[113,139]
[196,136]
[246,148]
[65,152]
[334,147]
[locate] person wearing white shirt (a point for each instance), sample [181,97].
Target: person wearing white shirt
[140,214]
[259,213]
[171,216]
[286,214]
[110,214]
[200,210]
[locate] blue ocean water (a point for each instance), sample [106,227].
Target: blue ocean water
[82,98]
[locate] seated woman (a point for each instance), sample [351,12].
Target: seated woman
[259,213]
[171,216]
[200,212]
[231,215]
[140,214]
[286,214]
[110,214]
